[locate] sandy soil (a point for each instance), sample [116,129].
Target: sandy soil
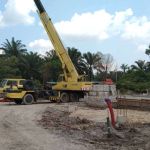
[19,130]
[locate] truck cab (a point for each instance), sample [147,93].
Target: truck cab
[10,83]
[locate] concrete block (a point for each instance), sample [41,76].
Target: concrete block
[96,102]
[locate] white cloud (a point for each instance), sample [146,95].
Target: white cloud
[1,51]
[122,16]
[17,12]
[87,25]
[99,24]
[103,25]
[41,46]
[137,28]
[119,20]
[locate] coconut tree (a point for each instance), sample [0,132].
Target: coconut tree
[8,67]
[147,51]
[124,67]
[14,47]
[141,65]
[92,61]
[30,66]
[51,67]
[77,60]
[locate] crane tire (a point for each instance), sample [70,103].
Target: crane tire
[64,97]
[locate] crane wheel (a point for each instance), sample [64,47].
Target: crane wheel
[64,97]
[28,99]
[74,97]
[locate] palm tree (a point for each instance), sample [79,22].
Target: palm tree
[51,67]
[77,60]
[124,67]
[92,60]
[8,67]
[30,66]
[14,48]
[50,55]
[147,51]
[140,66]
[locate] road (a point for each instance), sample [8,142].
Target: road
[19,130]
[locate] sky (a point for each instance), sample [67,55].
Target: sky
[118,27]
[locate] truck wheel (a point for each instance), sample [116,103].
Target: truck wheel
[28,99]
[64,97]
[74,97]
[18,102]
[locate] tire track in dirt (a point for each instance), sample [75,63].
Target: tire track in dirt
[19,130]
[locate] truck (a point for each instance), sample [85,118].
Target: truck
[21,94]
[6,83]
[70,86]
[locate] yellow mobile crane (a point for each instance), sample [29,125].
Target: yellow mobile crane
[70,87]
[70,84]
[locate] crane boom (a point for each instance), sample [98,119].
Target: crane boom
[71,88]
[70,72]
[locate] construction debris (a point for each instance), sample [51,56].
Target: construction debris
[84,131]
[139,103]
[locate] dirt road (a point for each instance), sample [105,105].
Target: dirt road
[19,130]
[69,126]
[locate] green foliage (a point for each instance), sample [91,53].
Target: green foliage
[147,51]
[8,67]
[30,66]
[78,60]
[16,62]
[137,79]
[37,84]
[51,67]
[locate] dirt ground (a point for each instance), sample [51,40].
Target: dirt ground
[70,126]
[19,130]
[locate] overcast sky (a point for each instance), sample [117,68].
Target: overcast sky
[118,27]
